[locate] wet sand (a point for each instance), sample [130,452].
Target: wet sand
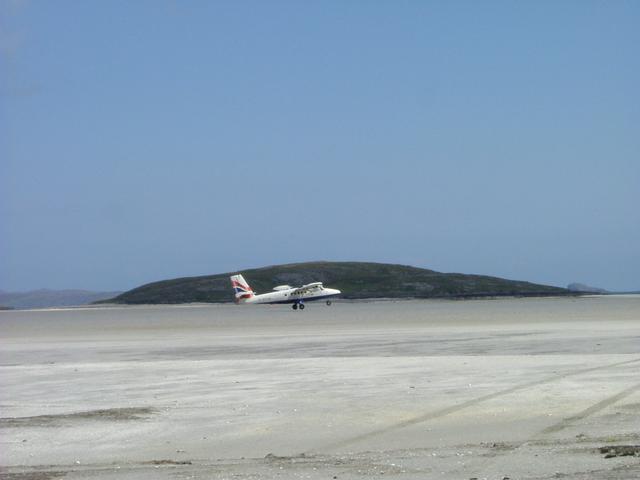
[518,388]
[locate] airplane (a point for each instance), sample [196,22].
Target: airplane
[282,293]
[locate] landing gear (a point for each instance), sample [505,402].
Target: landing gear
[328,303]
[294,306]
[297,305]
[302,306]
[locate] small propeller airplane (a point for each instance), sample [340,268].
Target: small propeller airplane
[282,293]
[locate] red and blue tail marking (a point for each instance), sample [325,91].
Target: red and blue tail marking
[241,288]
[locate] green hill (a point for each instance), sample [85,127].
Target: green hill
[355,279]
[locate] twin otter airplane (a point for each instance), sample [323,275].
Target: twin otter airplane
[283,293]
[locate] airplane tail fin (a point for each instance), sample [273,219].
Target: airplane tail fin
[241,288]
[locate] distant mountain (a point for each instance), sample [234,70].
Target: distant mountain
[52,298]
[582,288]
[355,279]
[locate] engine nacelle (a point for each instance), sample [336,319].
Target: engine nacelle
[279,288]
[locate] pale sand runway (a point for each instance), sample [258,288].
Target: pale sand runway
[524,388]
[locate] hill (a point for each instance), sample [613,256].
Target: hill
[51,298]
[582,288]
[357,280]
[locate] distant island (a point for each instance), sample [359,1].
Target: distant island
[45,298]
[357,280]
[582,288]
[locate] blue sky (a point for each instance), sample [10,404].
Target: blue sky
[152,139]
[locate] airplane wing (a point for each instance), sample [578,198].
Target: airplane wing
[308,287]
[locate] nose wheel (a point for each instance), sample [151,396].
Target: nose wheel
[328,303]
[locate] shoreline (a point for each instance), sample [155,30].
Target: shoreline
[463,297]
[336,301]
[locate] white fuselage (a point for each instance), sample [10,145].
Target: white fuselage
[293,295]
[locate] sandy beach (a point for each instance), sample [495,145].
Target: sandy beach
[517,388]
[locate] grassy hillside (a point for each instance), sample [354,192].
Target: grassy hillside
[355,279]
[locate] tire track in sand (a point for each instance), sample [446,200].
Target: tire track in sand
[587,412]
[442,412]
[491,467]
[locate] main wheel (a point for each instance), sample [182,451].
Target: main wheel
[328,302]
[294,306]
[302,306]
